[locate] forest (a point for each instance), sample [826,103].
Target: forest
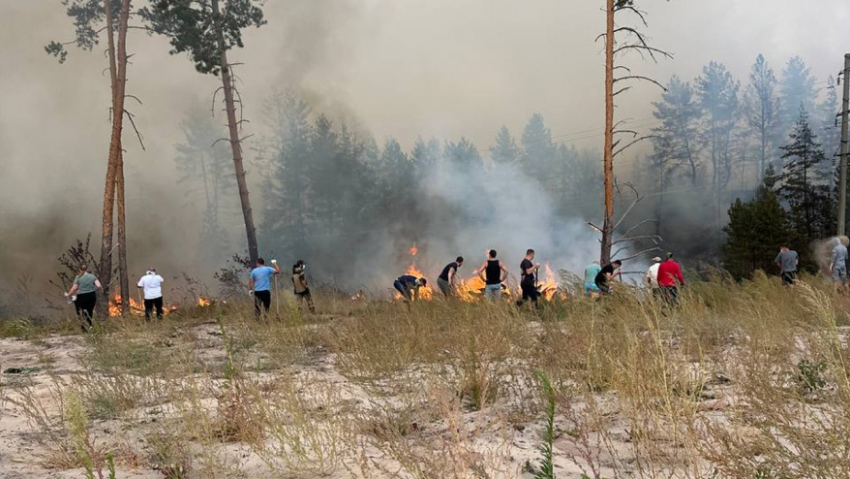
[717,149]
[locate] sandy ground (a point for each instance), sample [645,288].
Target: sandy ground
[37,363]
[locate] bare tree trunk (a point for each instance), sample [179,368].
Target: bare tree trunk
[236,146]
[119,169]
[608,159]
[117,74]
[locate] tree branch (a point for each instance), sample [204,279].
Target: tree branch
[655,239]
[138,134]
[641,253]
[640,78]
[632,10]
[634,143]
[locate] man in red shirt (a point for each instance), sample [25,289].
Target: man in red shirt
[669,273]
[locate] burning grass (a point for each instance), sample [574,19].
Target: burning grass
[742,380]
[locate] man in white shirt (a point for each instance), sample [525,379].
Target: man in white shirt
[651,276]
[151,283]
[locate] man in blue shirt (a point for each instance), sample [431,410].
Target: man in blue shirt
[259,285]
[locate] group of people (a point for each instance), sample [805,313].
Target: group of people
[492,272]
[260,281]
[83,294]
[663,278]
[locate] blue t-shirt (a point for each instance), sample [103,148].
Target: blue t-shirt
[590,273]
[261,276]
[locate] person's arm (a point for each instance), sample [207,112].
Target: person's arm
[141,283]
[452,277]
[251,283]
[74,288]
[276,267]
[480,271]
[533,269]
[648,276]
[504,270]
[679,275]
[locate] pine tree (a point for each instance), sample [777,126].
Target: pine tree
[718,97]
[208,169]
[827,121]
[425,157]
[754,232]
[539,153]
[796,90]
[463,155]
[805,184]
[676,143]
[761,107]
[505,151]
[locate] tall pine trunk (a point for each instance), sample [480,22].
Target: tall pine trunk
[608,159]
[123,273]
[235,143]
[118,74]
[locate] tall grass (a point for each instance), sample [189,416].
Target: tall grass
[739,380]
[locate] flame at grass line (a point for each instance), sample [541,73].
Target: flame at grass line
[204,302]
[425,292]
[138,309]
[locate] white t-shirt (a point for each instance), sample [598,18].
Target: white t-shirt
[652,275]
[152,284]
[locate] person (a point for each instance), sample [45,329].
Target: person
[447,281]
[606,274]
[259,285]
[669,275]
[528,279]
[787,260]
[84,295]
[493,273]
[838,264]
[590,278]
[409,286]
[299,284]
[151,284]
[651,276]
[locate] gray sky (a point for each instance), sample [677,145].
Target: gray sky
[404,68]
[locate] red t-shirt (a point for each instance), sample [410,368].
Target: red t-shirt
[668,273]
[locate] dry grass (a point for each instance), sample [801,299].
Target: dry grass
[741,380]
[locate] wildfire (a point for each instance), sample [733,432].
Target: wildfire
[548,286]
[425,292]
[136,308]
[116,303]
[204,302]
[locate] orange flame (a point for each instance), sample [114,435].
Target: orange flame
[136,308]
[414,250]
[548,287]
[204,302]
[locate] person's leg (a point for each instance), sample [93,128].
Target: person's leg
[148,309]
[158,304]
[258,312]
[309,298]
[267,300]
[445,288]
[400,288]
[89,301]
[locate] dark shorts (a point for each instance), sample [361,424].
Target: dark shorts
[789,277]
[262,299]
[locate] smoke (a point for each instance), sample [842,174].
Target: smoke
[432,68]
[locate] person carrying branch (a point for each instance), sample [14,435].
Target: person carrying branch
[447,281]
[84,295]
[259,284]
[151,283]
[409,286]
[299,284]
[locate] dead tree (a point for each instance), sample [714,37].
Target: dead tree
[88,14]
[631,235]
[632,41]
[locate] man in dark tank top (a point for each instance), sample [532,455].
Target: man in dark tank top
[494,273]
